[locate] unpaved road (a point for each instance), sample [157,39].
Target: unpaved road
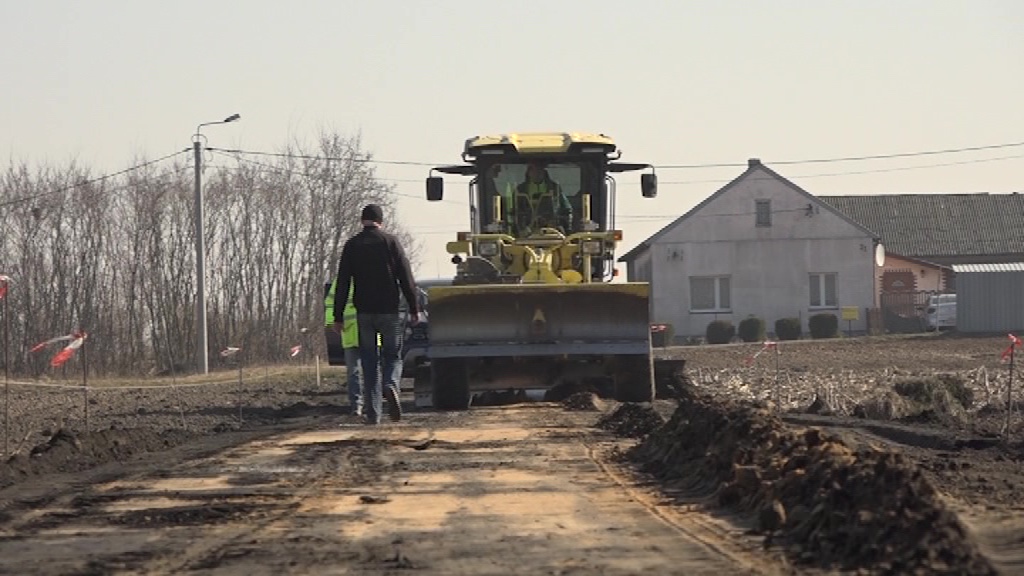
[528,489]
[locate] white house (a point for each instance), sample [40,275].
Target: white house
[759,246]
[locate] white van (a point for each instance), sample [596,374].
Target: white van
[940,313]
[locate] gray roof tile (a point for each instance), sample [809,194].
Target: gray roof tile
[937,225]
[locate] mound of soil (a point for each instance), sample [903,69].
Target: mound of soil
[632,420]
[68,451]
[940,399]
[827,504]
[584,402]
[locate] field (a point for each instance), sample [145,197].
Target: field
[877,455]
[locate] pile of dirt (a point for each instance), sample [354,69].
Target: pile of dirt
[671,379]
[940,399]
[827,504]
[584,402]
[70,451]
[632,420]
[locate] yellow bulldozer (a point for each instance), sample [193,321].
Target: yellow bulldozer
[532,303]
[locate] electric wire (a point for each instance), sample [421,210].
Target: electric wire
[851,158]
[90,181]
[665,166]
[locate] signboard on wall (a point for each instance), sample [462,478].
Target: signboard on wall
[851,313]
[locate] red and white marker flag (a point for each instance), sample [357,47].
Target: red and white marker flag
[77,338]
[767,344]
[1015,342]
[229,351]
[296,350]
[4,280]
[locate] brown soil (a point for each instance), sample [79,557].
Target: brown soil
[102,494]
[831,506]
[525,489]
[901,395]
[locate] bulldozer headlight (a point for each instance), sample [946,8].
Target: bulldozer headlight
[592,246]
[487,248]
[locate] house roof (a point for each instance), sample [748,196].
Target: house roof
[996,267]
[752,165]
[931,225]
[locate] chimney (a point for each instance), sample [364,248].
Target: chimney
[753,162]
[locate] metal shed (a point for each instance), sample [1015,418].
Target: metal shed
[989,297]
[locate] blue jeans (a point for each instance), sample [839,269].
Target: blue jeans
[383,367]
[354,375]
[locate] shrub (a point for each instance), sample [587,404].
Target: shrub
[751,329]
[788,329]
[720,332]
[823,325]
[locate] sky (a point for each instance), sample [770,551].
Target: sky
[105,82]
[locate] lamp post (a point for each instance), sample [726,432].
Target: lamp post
[202,354]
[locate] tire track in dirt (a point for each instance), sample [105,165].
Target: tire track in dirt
[716,534]
[515,490]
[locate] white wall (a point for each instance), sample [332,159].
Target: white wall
[769,267]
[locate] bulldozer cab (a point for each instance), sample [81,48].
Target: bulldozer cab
[524,197]
[539,203]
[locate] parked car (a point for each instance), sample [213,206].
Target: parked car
[940,312]
[417,337]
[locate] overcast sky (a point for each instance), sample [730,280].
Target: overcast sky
[674,82]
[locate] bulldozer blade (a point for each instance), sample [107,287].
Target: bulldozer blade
[534,336]
[539,320]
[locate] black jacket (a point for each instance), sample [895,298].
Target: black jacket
[376,262]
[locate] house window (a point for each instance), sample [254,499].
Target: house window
[764,212]
[710,294]
[823,290]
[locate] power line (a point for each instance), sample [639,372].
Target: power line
[281,170]
[661,166]
[850,158]
[328,158]
[851,172]
[91,181]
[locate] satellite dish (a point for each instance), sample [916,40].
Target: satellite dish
[879,255]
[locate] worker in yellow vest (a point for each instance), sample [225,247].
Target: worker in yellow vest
[350,344]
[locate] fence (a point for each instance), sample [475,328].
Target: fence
[903,312]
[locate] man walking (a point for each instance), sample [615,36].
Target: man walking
[375,263]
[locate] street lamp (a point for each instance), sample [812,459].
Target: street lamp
[202,354]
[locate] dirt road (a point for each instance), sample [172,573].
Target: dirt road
[529,489]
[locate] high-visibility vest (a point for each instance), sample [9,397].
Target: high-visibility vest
[350,334]
[537,205]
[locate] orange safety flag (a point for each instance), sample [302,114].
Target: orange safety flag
[1015,342]
[68,351]
[768,344]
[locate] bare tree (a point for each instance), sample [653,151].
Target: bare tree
[115,257]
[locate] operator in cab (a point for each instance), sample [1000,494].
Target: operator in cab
[540,203]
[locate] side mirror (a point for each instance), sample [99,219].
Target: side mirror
[649,185]
[435,188]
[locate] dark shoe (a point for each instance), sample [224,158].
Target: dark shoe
[394,405]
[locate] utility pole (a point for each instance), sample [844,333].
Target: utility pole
[202,359]
[202,351]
